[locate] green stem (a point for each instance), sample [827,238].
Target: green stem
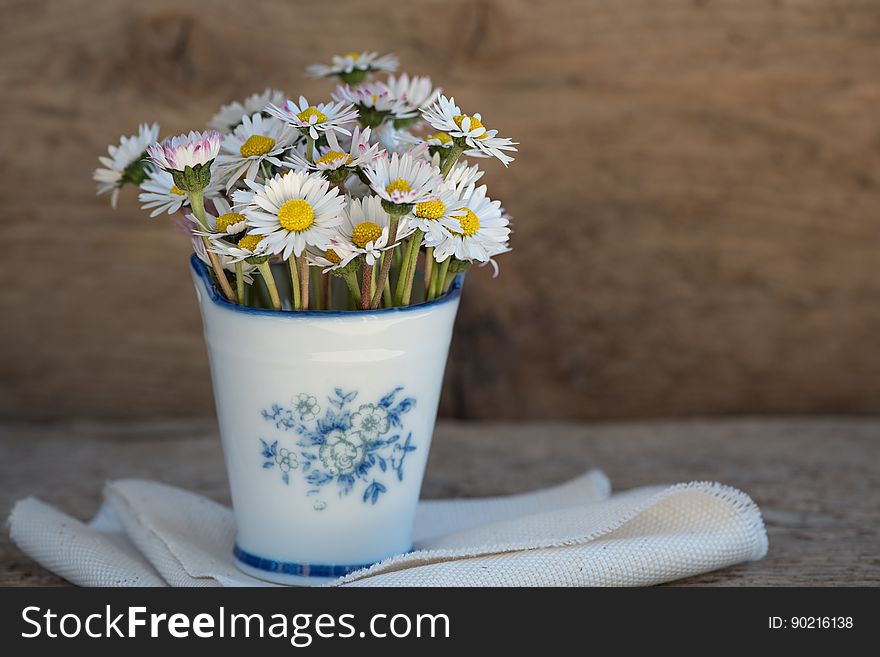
[294,282]
[310,148]
[239,281]
[219,272]
[431,292]
[386,293]
[386,264]
[402,274]
[429,268]
[440,278]
[304,279]
[410,264]
[197,205]
[352,282]
[266,271]
[451,158]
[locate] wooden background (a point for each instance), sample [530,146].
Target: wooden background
[696,198]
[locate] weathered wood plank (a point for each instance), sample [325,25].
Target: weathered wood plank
[817,481]
[700,178]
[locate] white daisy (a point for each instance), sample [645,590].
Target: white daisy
[244,249]
[258,141]
[228,221]
[462,176]
[468,131]
[358,153]
[375,102]
[435,145]
[192,150]
[415,93]
[432,215]
[439,140]
[231,115]
[241,198]
[160,194]
[226,261]
[124,163]
[477,233]
[365,231]
[354,66]
[402,180]
[315,119]
[294,210]
[328,259]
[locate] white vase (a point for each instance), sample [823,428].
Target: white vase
[326,420]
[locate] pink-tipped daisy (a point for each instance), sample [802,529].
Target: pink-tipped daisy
[188,150]
[468,131]
[402,180]
[312,120]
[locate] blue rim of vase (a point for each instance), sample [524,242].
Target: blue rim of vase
[329,571]
[202,272]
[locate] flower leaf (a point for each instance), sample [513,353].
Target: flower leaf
[318,478]
[388,399]
[372,492]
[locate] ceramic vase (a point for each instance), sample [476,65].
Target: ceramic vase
[326,421]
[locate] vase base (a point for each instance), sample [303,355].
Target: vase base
[281,578]
[291,573]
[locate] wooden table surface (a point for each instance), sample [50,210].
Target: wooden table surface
[817,481]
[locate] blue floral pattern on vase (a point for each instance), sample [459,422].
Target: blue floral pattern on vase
[354,446]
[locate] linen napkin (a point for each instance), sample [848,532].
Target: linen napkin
[575,534]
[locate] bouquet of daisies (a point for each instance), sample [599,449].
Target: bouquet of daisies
[346,194]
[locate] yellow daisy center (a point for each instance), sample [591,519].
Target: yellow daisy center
[365,232]
[353,55]
[398,185]
[177,190]
[296,215]
[256,145]
[469,222]
[332,256]
[442,137]
[224,221]
[430,209]
[332,157]
[306,115]
[249,242]
[475,123]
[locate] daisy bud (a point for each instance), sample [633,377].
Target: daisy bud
[188,158]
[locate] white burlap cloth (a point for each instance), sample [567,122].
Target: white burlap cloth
[575,534]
